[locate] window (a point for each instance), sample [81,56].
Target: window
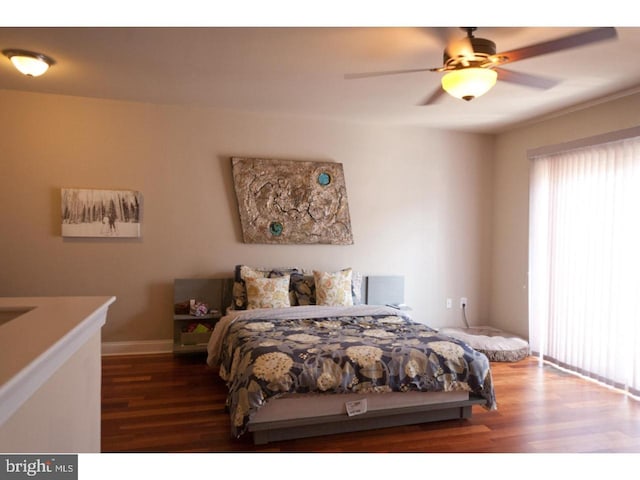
[584,258]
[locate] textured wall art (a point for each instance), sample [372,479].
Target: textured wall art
[290,201]
[100,213]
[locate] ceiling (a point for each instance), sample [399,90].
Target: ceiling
[300,71]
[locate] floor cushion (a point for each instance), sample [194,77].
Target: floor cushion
[497,345]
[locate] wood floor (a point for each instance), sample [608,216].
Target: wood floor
[162,403]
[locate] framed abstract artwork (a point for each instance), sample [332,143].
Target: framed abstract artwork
[101,213]
[291,201]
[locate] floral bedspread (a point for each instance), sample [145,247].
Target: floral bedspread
[264,357]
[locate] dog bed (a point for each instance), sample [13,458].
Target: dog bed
[497,345]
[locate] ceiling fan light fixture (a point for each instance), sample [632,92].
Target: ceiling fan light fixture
[469,83]
[31,64]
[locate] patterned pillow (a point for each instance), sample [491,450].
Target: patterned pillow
[242,272]
[303,288]
[239,291]
[250,272]
[267,292]
[333,289]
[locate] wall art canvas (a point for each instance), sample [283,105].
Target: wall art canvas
[101,213]
[291,201]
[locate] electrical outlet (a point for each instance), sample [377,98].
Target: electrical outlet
[449,303]
[463,302]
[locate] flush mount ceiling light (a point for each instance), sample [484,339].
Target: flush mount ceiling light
[31,64]
[469,83]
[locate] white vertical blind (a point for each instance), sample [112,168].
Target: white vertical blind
[584,262]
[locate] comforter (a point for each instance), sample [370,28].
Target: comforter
[265,353]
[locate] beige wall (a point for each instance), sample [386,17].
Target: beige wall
[509,294]
[420,203]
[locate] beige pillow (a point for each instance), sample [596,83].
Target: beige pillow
[333,288]
[248,272]
[268,292]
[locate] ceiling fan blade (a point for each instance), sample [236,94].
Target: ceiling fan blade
[444,34]
[351,76]
[527,79]
[564,43]
[433,98]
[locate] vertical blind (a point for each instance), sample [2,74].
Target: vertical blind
[584,261]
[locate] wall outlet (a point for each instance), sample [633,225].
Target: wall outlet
[464,302]
[449,303]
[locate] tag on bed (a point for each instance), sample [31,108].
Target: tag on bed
[357,407]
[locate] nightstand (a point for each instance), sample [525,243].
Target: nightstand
[216,294]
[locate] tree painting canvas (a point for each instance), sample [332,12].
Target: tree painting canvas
[101,213]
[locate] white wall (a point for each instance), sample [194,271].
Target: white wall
[63,415]
[509,292]
[420,203]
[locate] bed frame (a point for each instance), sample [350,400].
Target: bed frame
[288,429]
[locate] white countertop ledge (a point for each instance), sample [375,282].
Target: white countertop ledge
[43,335]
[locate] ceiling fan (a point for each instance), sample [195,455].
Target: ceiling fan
[472,65]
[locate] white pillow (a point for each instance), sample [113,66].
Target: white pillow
[333,288]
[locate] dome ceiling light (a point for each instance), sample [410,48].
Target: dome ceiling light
[31,64]
[469,83]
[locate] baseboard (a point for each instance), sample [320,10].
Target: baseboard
[137,348]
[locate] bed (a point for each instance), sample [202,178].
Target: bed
[304,370]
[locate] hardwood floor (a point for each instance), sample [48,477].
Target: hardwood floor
[162,403]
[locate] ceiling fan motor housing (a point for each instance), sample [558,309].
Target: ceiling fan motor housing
[482,48]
